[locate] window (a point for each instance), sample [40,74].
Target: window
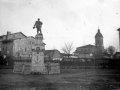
[86,49]
[89,50]
[19,48]
[6,49]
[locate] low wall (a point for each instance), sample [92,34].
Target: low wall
[81,67]
[26,68]
[104,63]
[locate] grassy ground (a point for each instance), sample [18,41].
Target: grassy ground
[70,79]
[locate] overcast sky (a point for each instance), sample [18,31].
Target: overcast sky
[64,21]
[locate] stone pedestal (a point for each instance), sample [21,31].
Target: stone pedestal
[38,49]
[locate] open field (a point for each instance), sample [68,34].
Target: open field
[69,79]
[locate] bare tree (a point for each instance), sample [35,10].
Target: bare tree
[111,50]
[67,49]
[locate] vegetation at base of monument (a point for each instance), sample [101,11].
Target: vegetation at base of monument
[67,48]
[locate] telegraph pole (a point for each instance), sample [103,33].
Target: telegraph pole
[119,37]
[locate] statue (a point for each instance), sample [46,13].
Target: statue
[38,25]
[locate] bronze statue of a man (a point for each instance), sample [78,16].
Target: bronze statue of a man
[38,25]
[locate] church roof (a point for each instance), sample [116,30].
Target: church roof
[87,46]
[98,34]
[50,52]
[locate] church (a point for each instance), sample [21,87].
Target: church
[91,51]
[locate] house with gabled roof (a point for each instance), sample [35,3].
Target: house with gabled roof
[6,42]
[52,54]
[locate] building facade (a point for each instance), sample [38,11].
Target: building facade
[23,47]
[7,41]
[20,47]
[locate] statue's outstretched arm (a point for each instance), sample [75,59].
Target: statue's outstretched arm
[34,25]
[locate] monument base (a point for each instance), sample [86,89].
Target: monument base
[53,68]
[18,67]
[39,69]
[22,67]
[27,68]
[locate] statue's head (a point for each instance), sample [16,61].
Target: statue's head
[38,19]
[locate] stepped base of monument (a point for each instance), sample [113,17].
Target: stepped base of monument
[27,68]
[38,73]
[39,69]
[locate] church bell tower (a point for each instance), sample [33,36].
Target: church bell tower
[99,39]
[99,47]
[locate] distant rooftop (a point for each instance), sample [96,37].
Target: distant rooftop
[12,36]
[87,46]
[47,52]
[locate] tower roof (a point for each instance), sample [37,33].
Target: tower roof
[98,34]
